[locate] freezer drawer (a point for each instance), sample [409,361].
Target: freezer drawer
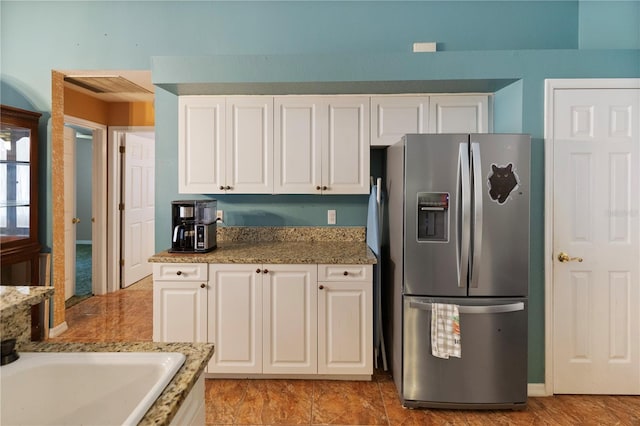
[492,371]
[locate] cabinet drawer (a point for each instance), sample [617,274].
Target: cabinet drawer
[180,272]
[344,272]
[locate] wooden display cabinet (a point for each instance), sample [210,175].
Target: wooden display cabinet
[19,245]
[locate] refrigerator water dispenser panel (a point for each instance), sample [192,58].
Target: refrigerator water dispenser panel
[433,217]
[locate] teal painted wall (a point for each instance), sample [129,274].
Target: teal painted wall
[610,24]
[234,43]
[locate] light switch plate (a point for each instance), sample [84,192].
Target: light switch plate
[220,215]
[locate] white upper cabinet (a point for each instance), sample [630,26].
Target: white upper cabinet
[305,144]
[298,148]
[225,144]
[346,169]
[321,145]
[249,160]
[459,114]
[394,116]
[201,144]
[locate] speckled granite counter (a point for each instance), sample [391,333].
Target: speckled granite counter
[168,403]
[15,306]
[285,252]
[281,245]
[14,298]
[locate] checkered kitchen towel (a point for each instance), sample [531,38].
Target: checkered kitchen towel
[445,331]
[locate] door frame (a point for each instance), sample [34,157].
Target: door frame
[98,202]
[114,195]
[551,85]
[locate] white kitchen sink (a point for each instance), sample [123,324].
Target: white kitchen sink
[83,388]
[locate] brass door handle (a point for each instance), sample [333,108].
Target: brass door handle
[564,257]
[75,220]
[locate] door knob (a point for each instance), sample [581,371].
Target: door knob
[564,257]
[75,220]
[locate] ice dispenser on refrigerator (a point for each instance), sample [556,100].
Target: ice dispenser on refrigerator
[433,216]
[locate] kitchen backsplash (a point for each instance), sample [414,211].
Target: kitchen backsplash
[291,233]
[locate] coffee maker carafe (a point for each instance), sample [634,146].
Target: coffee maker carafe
[193,226]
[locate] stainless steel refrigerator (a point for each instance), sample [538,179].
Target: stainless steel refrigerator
[458,233]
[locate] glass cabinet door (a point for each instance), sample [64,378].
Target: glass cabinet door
[15,182]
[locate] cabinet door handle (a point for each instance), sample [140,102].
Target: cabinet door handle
[221,188]
[266,271]
[203,285]
[324,188]
[258,271]
[179,273]
[321,287]
[318,188]
[345,273]
[227,187]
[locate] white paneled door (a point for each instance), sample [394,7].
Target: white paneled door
[596,248]
[138,239]
[70,218]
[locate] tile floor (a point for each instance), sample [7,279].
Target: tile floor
[127,315]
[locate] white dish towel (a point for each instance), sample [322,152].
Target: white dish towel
[445,331]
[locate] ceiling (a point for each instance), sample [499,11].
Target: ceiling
[112,85]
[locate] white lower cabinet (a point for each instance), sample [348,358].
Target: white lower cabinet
[192,410]
[345,319]
[179,303]
[235,318]
[269,319]
[289,309]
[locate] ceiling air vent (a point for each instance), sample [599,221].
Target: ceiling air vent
[106,84]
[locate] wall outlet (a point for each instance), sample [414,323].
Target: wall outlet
[331,217]
[220,215]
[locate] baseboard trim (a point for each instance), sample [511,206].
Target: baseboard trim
[58,330]
[536,389]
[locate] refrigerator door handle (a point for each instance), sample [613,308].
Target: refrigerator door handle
[466,309]
[476,167]
[463,215]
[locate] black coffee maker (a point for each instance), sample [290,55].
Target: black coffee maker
[193,226]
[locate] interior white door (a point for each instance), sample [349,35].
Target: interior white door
[70,219]
[596,286]
[138,241]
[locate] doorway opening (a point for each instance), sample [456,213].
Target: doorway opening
[83,286]
[84,209]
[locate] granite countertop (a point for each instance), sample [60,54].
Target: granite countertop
[170,400]
[14,298]
[274,252]
[281,245]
